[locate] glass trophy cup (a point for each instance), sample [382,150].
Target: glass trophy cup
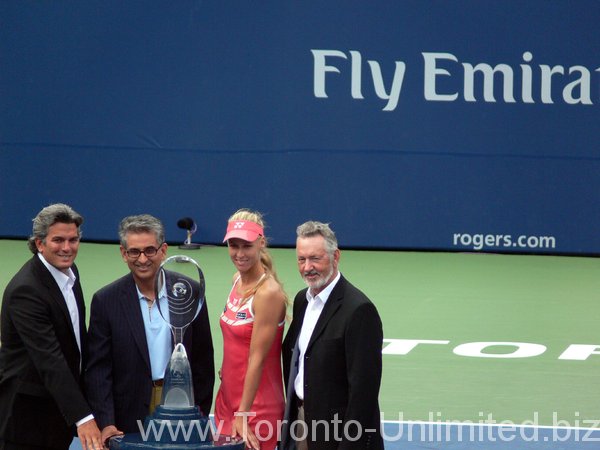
[176,423]
[181,282]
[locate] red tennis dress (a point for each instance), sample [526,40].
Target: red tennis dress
[269,403]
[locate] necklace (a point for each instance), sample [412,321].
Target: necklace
[150,304]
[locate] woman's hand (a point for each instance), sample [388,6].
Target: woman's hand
[241,429]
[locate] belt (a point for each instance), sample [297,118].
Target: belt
[300,403]
[158,383]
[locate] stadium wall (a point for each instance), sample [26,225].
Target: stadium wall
[459,125]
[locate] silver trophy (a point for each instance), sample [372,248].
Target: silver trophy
[181,281]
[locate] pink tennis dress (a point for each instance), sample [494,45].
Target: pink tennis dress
[269,403]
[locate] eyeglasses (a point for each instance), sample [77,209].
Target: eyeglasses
[135,253]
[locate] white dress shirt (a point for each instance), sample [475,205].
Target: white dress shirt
[65,282]
[311,316]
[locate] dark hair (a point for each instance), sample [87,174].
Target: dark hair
[56,213]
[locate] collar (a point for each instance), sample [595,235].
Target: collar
[162,293]
[325,293]
[63,280]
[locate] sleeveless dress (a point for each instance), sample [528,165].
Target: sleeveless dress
[269,403]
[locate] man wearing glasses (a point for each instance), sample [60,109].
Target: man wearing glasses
[130,343]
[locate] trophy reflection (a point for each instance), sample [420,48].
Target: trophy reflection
[177,423]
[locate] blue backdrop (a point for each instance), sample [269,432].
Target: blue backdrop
[456,125]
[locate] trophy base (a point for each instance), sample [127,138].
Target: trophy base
[190,246]
[174,429]
[135,441]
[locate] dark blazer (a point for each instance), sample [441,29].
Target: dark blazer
[41,395]
[118,374]
[342,370]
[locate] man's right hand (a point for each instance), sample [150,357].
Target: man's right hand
[108,432]
[89,435]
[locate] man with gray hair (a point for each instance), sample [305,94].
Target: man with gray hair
[129,342]
[331,354]
[43,337]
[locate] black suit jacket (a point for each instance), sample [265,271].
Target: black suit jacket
[342,370]
[118,373]
[41,395]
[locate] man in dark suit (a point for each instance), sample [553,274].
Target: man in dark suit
[331,354]
[42,334]
[129,342]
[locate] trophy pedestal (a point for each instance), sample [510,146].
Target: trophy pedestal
[190,246]
[174,429]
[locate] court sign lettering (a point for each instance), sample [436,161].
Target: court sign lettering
[574,352]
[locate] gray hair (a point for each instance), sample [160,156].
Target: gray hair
[313,228]
[56,213]
[143,223]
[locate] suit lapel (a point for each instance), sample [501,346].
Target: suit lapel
[299,315]
[131,311]
[298,320]
[55,294]
[78,292]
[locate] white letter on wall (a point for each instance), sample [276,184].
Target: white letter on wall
[396,88]
[431,71]
[320,68]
